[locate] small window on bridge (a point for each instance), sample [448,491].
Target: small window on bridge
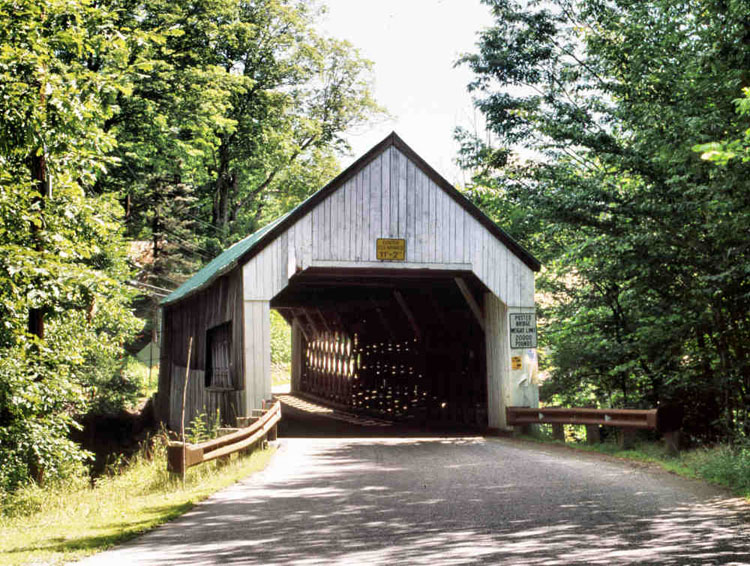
[218,356]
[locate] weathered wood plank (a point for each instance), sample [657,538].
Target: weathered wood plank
[376,208]
[402,204]
[384,173]
[414,218]
[498,361]
[347,221]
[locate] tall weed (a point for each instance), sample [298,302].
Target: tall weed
[724,465]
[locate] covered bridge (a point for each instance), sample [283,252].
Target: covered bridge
[404,299]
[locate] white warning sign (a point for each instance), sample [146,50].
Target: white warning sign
[522,330]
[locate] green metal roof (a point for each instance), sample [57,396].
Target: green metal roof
[222,263]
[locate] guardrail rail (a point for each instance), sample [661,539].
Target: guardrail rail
[261,425]
[666,420]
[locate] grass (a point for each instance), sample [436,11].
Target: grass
[54,525]
[723,465]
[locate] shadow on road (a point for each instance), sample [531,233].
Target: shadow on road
[452,501]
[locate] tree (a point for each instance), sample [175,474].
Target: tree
[62,300]
[230,97]
[724,151]
[645,245]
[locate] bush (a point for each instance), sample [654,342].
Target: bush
[203,427]
[724,465]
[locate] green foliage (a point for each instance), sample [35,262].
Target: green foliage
[593,109]
[63,306]
[281,340]
[723,465]
[203,427]
[723,152]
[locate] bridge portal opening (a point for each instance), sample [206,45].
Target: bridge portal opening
[403,345]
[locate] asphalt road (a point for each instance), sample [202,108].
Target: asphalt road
[450,500]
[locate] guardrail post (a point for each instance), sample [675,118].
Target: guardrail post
[669,423]
[558,432]
[593,434]
[672,442]
[272,433]
[175,461]
[627,438]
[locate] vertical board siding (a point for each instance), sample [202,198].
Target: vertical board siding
[402,204]
[377,197]
[392,198]
[421,219]
[298,349]
[497,347]
[364,232]
[257,353]
[430,225]
[193,317]
[384,176]
[266,274]
[346,250]
[194,397]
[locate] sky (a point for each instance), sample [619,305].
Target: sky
[414,45]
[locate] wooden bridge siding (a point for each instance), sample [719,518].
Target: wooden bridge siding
[199,399]
[498,360]
[390,372]
[390,197]
[299,347]
[220,303]
[409,205]
[257,351]
[343,229]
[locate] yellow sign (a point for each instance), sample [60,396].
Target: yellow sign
[391,249]
[516,363]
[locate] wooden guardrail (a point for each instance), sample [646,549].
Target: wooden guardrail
[666,420]
[262,424]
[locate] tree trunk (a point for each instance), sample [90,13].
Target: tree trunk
[38,169]
[225,187]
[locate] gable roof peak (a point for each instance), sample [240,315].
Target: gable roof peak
[245,249]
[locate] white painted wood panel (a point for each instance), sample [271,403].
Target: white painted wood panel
[265,275]
[353,215]
[257,352]
[498,360]
[377,197]
[402,204]
[384,174]
[307,240]
[432,221]
[348,223]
